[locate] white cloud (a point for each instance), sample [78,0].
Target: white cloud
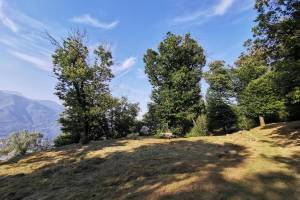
[222,7]
[38,62]
[124,66]
[5,20]
[88,20]
[201,15]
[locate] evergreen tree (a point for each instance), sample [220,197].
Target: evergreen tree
[175,72]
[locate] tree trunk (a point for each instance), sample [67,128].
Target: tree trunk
[84,139]
[262,121]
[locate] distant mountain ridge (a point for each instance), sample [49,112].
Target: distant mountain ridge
[18,112]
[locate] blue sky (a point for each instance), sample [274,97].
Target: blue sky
[127,27]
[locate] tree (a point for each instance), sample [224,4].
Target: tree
[200,127]
[261,99]
[175,72]
[151,119]
[122,118]
[277,33]
[82,86]
[20,143]
[219,111]
[219,80]
[249,66]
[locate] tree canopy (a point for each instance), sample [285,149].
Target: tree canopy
[175,71]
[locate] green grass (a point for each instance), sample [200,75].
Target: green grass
[266,165]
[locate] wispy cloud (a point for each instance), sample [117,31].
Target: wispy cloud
[201,15]
[38,62]
[5,20]
[28,36]
[91,21]
[124,66]
[222,7]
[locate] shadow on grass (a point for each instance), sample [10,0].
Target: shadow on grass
[285,134]
[174,170]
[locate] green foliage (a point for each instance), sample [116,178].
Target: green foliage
[151,120]
[200,127]
[243,122]
[64,139]
[249,66]
[83,86]
[277,33]
[277,29]
[122,118]
[220,113]
[175,72]
[20,143]
[219,79]
[260,98]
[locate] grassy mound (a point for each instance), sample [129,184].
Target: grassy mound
[257,164]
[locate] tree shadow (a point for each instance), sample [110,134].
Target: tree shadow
[175,169]
[285,134]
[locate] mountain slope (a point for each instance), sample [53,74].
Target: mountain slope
[18,112]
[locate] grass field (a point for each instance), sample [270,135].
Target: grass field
[257,164]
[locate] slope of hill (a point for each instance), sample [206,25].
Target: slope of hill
[18,112]
[257,164]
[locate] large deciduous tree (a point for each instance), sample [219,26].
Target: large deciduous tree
[175,72]
[82,86]
[260,99]
[277,33]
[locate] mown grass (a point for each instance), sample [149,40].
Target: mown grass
[265,165]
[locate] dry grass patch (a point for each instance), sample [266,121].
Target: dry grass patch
[265,166]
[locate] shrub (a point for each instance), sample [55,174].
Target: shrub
[20,143]
[200,127]
[243,122]
[63,139]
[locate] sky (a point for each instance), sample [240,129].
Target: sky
[127,27]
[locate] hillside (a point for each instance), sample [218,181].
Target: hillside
[18,112]
[257,164]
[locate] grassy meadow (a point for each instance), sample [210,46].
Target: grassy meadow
[262,163]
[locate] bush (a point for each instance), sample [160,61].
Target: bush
[200,127]
[20,143]
[243,122]
[63,139]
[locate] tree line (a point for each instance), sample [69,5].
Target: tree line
[263,85]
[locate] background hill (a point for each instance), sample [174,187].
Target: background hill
[18,112]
